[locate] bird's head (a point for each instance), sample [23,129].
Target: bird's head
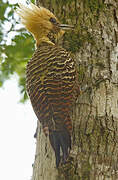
[43,24]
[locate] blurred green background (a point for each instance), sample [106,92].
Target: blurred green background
[16,46]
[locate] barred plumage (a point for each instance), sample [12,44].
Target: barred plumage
[51,78]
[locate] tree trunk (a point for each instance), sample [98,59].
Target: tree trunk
[94,43]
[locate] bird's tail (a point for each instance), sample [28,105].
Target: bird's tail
[60,140]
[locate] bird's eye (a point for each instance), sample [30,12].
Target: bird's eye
[53,20]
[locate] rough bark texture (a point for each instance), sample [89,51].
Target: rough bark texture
[94,43]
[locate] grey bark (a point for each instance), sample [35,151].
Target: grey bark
[94,44]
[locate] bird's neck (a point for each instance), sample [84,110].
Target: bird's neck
[39,40]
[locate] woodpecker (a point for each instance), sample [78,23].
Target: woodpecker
[51,78]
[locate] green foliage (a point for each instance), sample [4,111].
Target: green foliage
[16,47]
[33,1]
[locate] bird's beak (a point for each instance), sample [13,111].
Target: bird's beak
[66,26]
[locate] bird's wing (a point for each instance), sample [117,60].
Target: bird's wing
[59,85]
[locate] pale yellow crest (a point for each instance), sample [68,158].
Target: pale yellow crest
[36,20]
